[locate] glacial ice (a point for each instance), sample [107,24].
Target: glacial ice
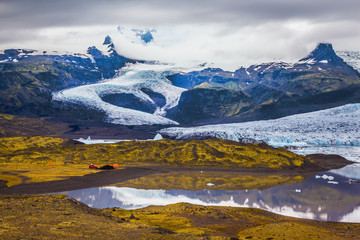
[131,81]
[97,141]
[338,126]
[351,57]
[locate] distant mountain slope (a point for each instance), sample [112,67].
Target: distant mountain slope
[28,77]
[317,81]
[35,83]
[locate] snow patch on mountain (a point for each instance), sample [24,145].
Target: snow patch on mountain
[131,80]
[137,35]
[336,126]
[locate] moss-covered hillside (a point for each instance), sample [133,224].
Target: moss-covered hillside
[209,153]
[60,217]
[29,159]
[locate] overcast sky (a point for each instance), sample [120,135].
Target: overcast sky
[228,33]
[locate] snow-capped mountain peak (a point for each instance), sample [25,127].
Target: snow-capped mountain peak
[323,53]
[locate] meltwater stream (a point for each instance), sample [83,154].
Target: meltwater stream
[326,196]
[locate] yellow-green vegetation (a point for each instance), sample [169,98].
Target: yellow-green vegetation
[14,174]
[14,144]
[11,126]
[198,181]
[59,217]
[210,153]
[32,165]
[242,223]
[44,65]
[28,158]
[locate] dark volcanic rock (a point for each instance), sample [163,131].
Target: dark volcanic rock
[294,104]
[192,79]
[159,99]
[131,101]
[202,103]
[324,52]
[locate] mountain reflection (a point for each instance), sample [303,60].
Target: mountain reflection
[325,197]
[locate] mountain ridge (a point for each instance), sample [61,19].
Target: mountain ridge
[272,86]
[34,83]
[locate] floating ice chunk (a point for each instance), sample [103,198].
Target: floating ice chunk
[298,190]
[327,177]
[98,141]
[158,137]
[210,184]
[333,182]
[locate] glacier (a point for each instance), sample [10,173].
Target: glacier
[130,80]
[351,57]
[338,126]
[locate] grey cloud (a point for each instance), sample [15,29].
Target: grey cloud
[43,13]
[261,24]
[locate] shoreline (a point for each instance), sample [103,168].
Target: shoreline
[108,177]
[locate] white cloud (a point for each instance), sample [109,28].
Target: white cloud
[228,33]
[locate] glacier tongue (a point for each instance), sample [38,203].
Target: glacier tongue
[133,79]
[336,126]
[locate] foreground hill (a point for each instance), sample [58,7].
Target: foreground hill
[204,153]
[24,159]
[59,216]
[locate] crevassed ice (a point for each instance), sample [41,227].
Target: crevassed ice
[131,82]
[337,126]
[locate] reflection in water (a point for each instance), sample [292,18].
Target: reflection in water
[200,180]
[350,171]
[351,153]
[326,197]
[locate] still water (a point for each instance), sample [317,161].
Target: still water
[327,196]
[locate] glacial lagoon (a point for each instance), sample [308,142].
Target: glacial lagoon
[327,196]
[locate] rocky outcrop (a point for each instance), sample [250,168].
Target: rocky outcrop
[210,103]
